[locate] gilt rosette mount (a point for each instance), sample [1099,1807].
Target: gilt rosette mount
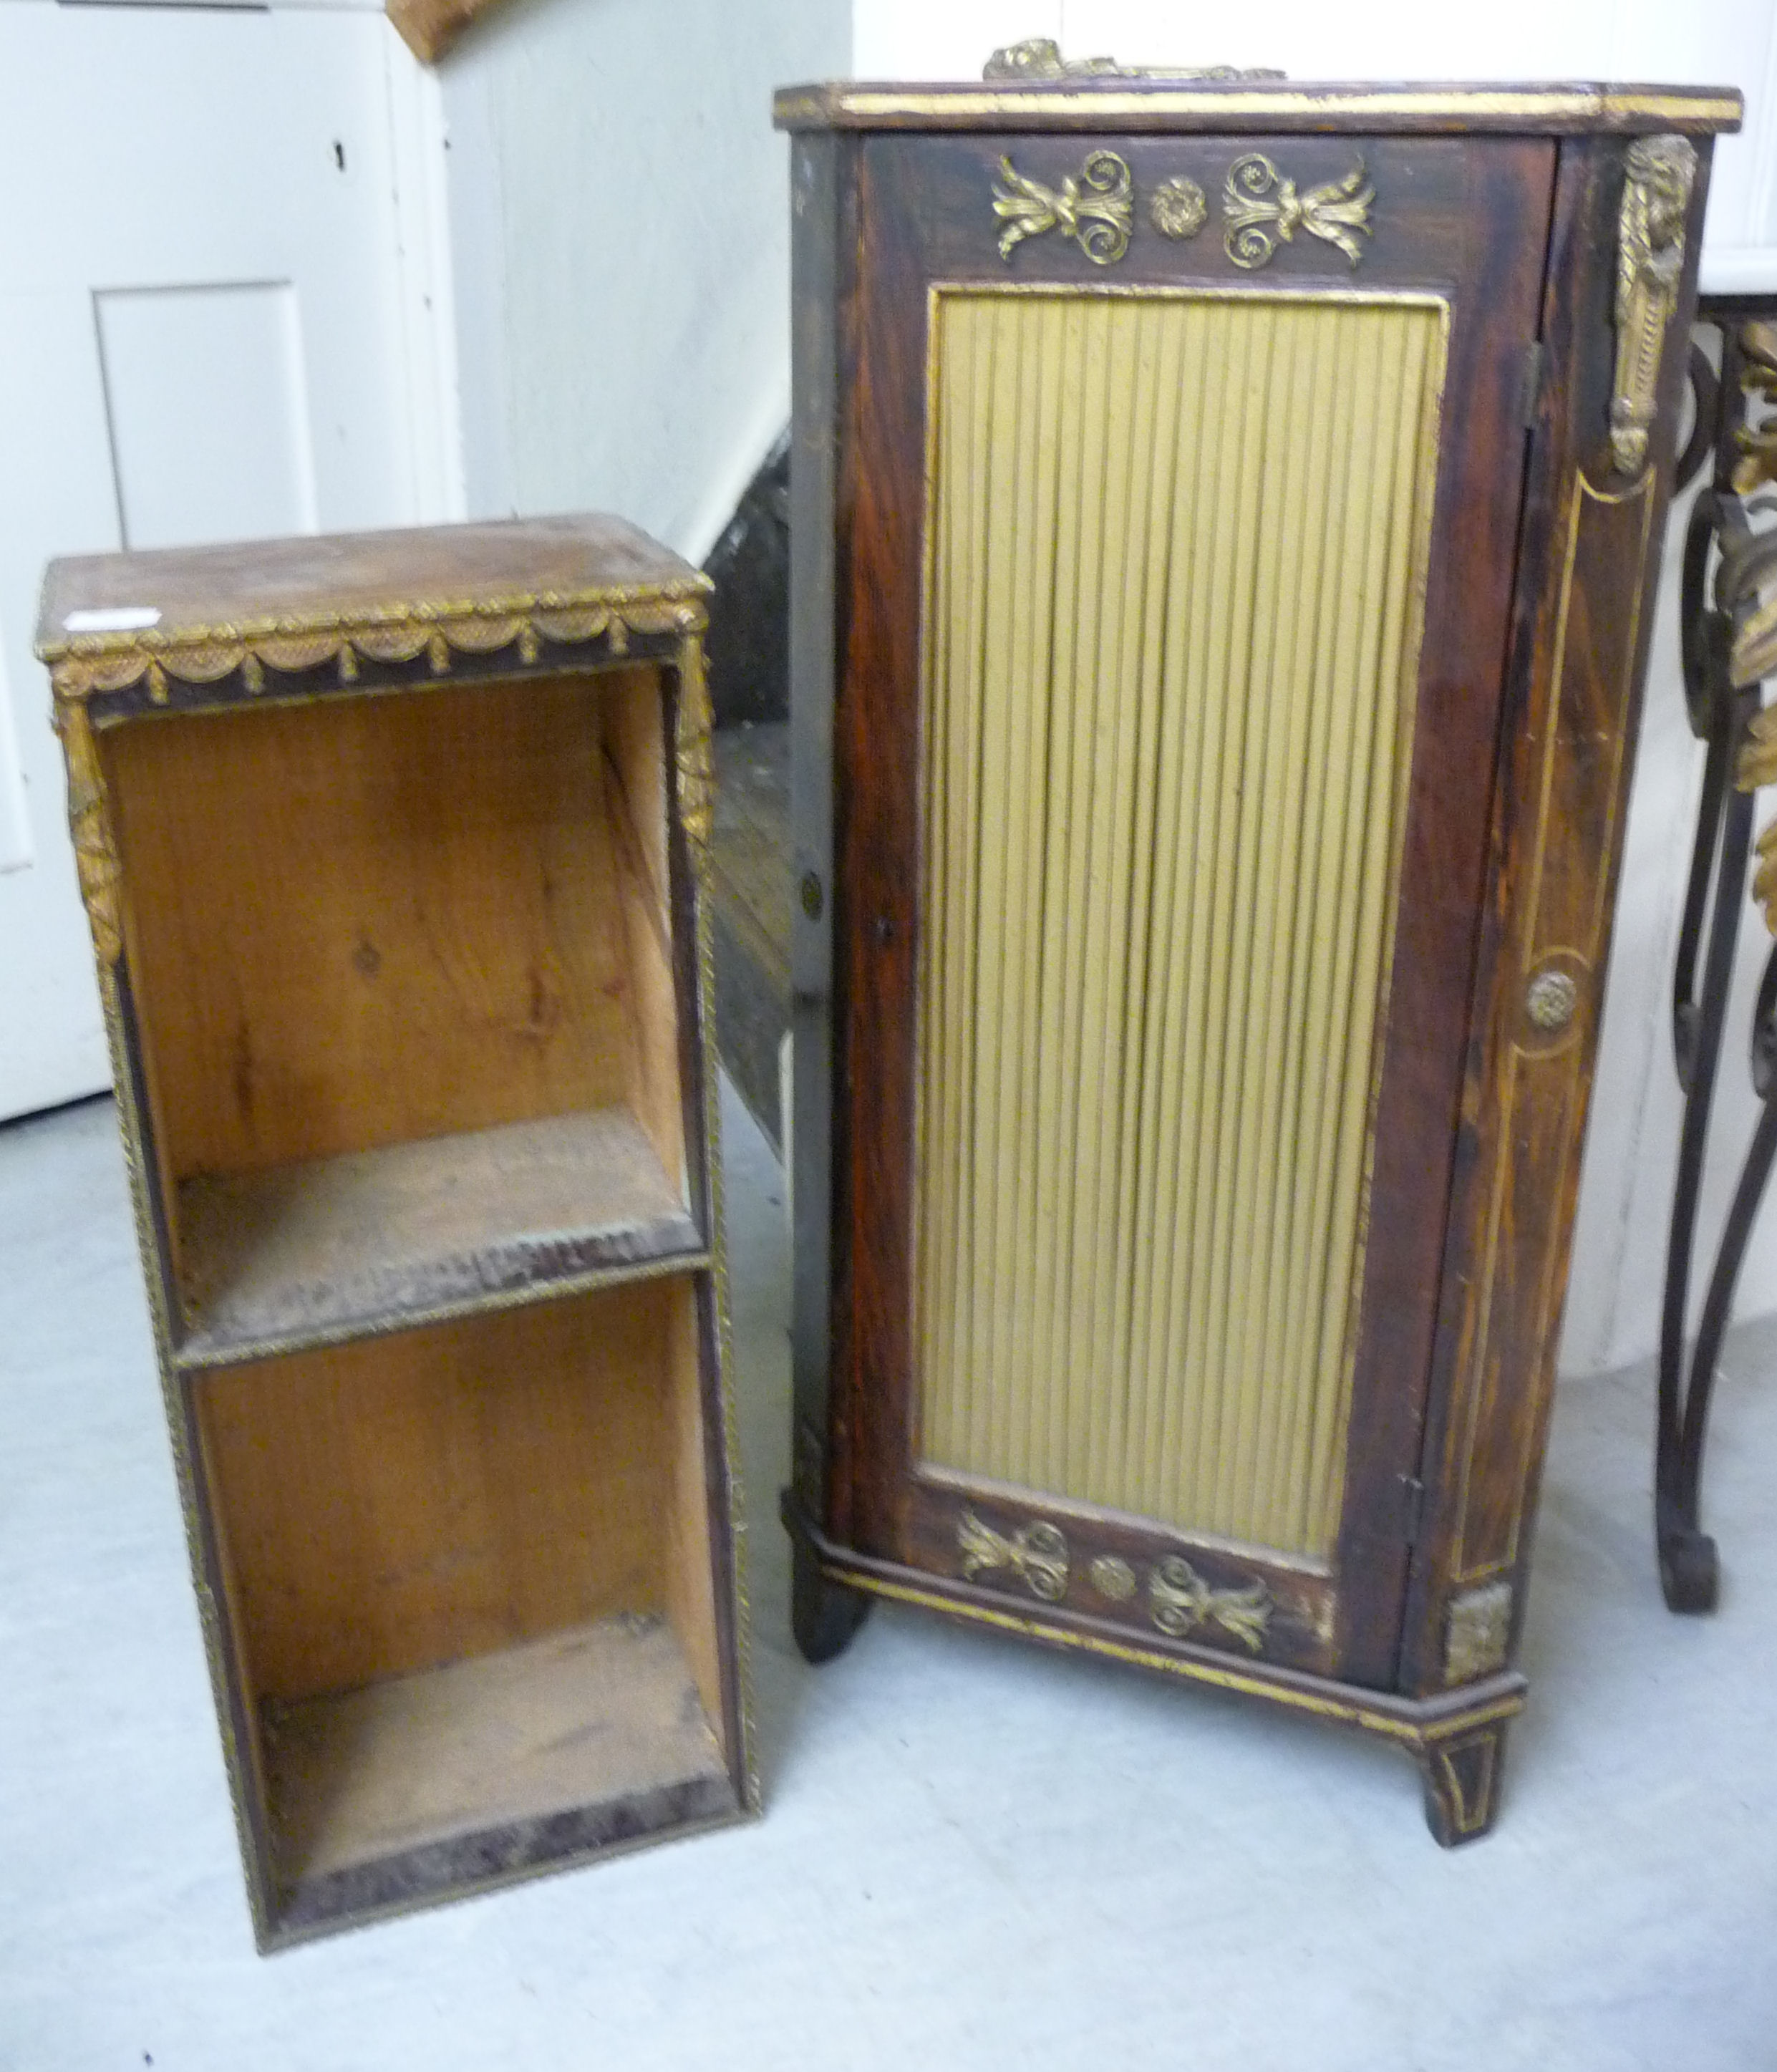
[1179,208]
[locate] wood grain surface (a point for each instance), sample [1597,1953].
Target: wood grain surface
[598,1712]
[409,1500]
[326,580]
[1581,625]
[357,923]
[1467,222]
[354,1242]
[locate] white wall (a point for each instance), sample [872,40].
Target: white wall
[1614,1302]
[619,217]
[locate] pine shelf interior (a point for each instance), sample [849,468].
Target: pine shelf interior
[598,1730]
[408,1001]
[332,1245]
[471,1594]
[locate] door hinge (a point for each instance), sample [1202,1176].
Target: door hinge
[1530,385]
[1413,1508]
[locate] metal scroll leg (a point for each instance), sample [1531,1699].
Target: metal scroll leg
[1688,1564]
[1461,1776]
[1727,648]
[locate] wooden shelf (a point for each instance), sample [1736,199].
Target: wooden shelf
[329,1248]
[400,928]
[558,1746]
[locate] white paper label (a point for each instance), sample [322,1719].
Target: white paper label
[118,618]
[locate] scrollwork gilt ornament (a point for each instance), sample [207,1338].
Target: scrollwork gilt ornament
[1179,1601]
[1037,1554]
[1263,210]
[1096,211]
[1657,192]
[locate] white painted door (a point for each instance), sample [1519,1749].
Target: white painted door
[216,299]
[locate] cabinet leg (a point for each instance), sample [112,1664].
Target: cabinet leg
[1462,1778]
[823,1613]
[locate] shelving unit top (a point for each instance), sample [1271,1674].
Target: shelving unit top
[113,606]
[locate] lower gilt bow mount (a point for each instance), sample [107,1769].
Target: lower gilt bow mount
[1179,1601]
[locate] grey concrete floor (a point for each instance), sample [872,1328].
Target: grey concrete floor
[974,1854]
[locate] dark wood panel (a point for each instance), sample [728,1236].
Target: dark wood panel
[1435,197]
[1473,229]
[1284,1612]
[1503,232]
[1581,625]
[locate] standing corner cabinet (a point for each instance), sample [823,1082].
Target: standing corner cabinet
[393,849]
[1225,521]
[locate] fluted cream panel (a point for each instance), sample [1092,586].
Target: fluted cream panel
[1174,600]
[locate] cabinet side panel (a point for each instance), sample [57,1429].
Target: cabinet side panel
[690,1577]
[1178,558]
[1589,561]
[635,782]
[823,172]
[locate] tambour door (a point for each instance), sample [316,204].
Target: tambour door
[1180,486]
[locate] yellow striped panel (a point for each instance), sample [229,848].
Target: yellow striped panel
[1174,592]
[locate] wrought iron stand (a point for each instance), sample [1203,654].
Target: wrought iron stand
[1728,631]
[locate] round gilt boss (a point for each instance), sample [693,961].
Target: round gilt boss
[1179,208]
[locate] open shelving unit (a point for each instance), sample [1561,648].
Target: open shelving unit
[394,849]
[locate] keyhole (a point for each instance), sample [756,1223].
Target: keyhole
[339,156]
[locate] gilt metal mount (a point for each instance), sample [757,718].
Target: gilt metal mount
[1039,57]
[1037,1554]
[1657,192]
[1096,211]
[1179,1601]
[1263,210]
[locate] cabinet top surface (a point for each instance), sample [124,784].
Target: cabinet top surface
[1133,101]
[115,603]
